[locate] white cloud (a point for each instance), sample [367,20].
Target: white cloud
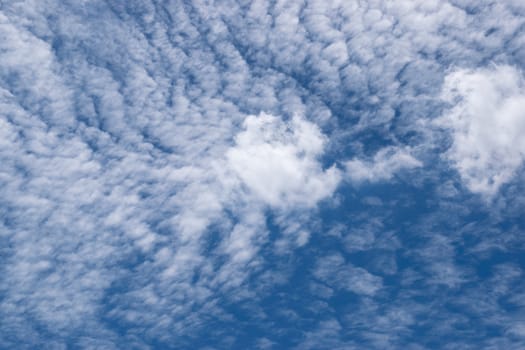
[278,161]
[122,199]
[487,124]
[382,167]
[335,272]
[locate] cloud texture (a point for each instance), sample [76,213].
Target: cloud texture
[264,174]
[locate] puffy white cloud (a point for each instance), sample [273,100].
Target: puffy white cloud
[487,124]
[278,161]
[383,165]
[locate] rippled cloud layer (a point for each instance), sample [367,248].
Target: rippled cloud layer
[262,175]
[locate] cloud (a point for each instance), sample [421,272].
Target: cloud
[382,167]
[278,162]
[146,202]
[336,273]
[487,124]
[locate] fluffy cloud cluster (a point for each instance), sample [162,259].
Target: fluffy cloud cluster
[487,123]
[278,162]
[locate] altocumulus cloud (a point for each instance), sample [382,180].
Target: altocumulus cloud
[265,174]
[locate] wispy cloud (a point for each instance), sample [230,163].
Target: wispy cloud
[382,167]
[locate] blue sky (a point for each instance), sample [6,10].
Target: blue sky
[262,174]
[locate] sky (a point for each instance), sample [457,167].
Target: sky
[314,174]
